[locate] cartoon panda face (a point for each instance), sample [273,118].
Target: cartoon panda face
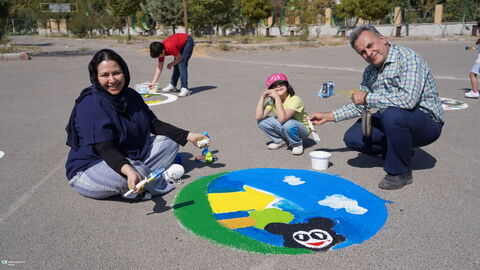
[315,239]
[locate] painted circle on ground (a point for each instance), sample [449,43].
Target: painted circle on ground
[449,104]
[280,211]
[152,99]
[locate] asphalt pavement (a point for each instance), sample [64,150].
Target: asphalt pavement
[44,224]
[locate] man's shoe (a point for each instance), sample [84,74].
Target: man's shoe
[297,150]
[391,181]
[184,92]
[472,94]
[169,88]
[275,146]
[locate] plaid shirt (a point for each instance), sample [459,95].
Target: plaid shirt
[404,81]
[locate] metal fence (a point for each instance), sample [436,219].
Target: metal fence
[22,26]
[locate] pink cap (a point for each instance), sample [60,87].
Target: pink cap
[275,77]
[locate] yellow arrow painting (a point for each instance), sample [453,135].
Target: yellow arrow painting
[250,199]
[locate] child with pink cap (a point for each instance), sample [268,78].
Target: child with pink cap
[289,124]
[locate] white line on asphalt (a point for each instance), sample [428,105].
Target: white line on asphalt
[323,67]
[170,98]
[24,198]
[2,154]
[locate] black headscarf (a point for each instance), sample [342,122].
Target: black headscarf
[118,102]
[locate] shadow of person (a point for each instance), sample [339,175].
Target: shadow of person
[421,160]
[199,89]
[331,150]
[160,205]
[307,143]
[189,163]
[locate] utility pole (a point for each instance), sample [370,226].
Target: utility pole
[185,15]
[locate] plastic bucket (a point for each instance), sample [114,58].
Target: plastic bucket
[320,160]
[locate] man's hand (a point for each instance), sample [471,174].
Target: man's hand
[170,65]
[320,118]
[358,97]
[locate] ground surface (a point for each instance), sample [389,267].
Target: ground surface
[432,224]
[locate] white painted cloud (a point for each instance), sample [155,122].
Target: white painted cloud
[338,201]
[292,180]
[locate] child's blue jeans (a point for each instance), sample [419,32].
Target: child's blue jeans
[292,131]
[181,69]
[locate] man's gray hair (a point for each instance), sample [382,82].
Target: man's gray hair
[359,29]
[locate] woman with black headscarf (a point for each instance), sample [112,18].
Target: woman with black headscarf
[109,133]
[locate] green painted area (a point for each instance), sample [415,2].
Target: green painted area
[270,215]
[193,211]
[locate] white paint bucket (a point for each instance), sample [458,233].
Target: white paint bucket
[320,160]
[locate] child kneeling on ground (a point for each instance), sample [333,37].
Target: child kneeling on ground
[290,122]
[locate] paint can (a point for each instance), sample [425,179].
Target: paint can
[320,160]
[178,159]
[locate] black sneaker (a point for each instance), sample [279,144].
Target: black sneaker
[391,181]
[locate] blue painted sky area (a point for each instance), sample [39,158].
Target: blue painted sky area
[357,213]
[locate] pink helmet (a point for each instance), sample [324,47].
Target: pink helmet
[275,77]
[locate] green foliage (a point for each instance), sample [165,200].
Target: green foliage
[462,10]
[166,12]
[123,8]
[4,12]
[348,9]
[255,10]
[365,9]
[305,13]
[209,13]
[374,9]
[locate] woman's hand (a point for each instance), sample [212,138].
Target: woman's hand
[194,138]
[133,177]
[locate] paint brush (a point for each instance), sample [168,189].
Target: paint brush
[316,138]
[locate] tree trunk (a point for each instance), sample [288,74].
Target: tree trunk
[185,15]
[128,29]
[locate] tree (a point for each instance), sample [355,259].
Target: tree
[123,9]
[255,10]
[209,13]
[462,10]
[306,12]
[4,12]
[373,10]
[365,9]
[85,20]
[166,12]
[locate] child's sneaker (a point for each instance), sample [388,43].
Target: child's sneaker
[174,173]
[184,92]
[297,150]
[275,146]
[472,94]
[169,88]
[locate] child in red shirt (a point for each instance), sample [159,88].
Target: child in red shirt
[180,46]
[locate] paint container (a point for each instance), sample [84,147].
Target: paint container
[320,160]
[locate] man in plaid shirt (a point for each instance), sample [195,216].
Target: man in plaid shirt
[399,83]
